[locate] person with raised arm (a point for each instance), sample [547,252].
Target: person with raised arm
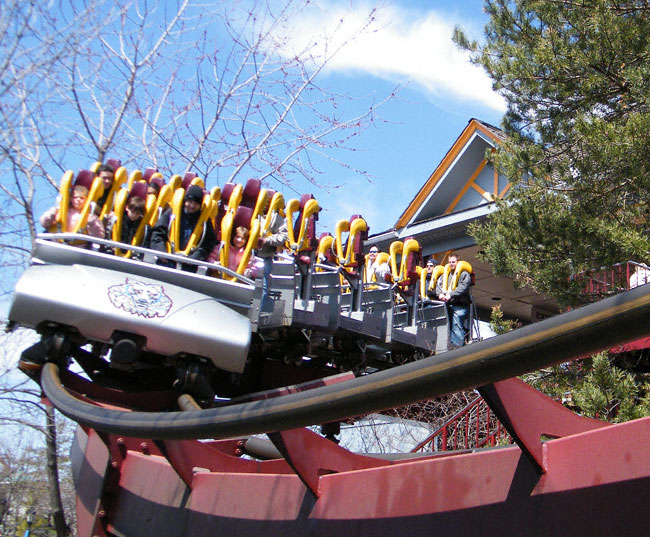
[93,226]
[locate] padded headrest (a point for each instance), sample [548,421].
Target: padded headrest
[158,181]
[310,230]
[226,192]
[138,190]
[114,163]
[304,199]
[148,173]
[243,217]
[187,179]
[85,178]
[251,191]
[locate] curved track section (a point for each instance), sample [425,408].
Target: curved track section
[574,334]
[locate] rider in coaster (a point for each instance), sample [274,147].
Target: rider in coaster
[431,263]
[376,271]
[267,247]
[133,214]
[458,301]
[94,227]
[189,217]
[107,175]
[238,243]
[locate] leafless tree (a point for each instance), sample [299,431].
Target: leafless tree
[399,430]
[201,86]
[32,42]
[219,89]
[25,485]
[25,422]
[30,46]
[250,104]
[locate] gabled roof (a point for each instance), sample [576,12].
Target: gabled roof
[461,191]
[462,180]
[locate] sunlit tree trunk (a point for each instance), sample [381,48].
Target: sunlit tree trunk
[56,504]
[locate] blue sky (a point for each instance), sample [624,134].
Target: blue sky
[410,47]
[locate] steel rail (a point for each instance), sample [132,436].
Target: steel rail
[580,332]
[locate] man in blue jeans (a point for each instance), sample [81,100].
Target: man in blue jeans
[267,247]
[458,301]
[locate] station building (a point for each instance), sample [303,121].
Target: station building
[462,190]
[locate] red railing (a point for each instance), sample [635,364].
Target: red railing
[611,280]
[614,279]
[475,426]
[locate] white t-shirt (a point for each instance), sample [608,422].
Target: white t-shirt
[641,276]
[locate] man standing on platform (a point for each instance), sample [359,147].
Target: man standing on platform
[458,300]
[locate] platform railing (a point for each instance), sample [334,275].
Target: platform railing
[607,281]
[475,426]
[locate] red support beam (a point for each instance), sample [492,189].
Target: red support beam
[596,483]
[312,456]
[529,415]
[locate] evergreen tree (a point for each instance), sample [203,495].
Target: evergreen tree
[576,77]
[610,393]
[595,386]
[499,324]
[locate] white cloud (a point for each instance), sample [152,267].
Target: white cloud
[400,46]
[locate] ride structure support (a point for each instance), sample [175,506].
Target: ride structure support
[593,480]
